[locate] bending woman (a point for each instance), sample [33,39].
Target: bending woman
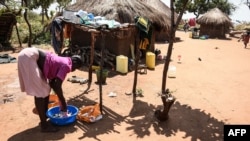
[38,72]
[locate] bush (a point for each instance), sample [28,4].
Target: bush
[242,26]
[38,35]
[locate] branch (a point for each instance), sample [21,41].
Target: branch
[181,14]
[3,3]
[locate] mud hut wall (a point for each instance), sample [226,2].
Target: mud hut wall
[117,46]
[117,43]
[162,36]
[7,21]
[80,37]
[213,31]
[153,40]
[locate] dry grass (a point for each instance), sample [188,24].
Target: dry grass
[243,26]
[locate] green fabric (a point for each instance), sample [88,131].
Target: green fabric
[143,24]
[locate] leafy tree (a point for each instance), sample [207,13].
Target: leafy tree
[248,3]
[26,6]
[62,4]
[11,5]
[198,7]
[224,6]
[44,4]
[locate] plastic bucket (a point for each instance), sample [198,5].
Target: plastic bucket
[62,120]
[122,64]
[190,34]
[150,60]
[104,76]
[172,72]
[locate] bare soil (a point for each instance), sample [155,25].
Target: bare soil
[211,89]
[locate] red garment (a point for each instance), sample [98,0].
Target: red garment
[192,22]
[245,39]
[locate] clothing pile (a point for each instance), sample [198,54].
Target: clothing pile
[5,58]
[83,17]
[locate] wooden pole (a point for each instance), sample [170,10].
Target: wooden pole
[137,58]
[92,49]
[101,69]
[165,97]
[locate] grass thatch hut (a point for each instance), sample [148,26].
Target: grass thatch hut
[162,35]
[123,11]
[214,23]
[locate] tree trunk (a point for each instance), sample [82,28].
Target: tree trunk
[167,98]
[42,15]
[18,36]
[27,21]
[29,26]
[46,14]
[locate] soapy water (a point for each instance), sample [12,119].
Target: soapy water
[62,114]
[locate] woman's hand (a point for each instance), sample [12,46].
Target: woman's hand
[56,85]
[63,107]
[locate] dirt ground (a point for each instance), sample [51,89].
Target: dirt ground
[211,88]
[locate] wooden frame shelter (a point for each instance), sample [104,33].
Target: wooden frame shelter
[102,31]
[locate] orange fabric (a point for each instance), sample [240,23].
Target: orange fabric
[89,113]
[144,43]
[53,101]
[66,30]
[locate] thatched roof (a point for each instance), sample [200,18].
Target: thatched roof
[162,7]
[123,11]
[215,17]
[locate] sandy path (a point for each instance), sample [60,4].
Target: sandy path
[210,93]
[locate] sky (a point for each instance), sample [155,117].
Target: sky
[242,13]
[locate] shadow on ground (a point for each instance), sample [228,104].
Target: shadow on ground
[195,123]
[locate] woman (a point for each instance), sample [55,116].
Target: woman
[38,72]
